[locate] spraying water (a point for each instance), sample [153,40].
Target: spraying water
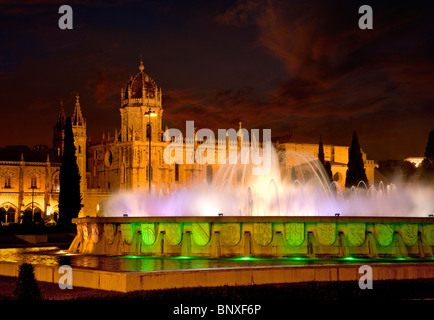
[296,185]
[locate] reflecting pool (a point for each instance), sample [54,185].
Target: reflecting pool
[56,256]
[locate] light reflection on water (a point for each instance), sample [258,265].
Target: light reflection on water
[54,256]
[36,255]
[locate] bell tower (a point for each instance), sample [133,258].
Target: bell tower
[140,96]
[80,137]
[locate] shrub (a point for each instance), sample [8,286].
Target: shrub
[27,287]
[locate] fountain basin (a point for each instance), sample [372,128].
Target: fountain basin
[256,236]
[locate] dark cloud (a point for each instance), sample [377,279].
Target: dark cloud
[337,74]
[301,68]
[243,13]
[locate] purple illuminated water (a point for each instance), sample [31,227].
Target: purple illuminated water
[296,185]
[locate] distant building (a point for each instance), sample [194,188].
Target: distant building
[338,158]
[417,161]
[120,162]
[29,178]
[29,183]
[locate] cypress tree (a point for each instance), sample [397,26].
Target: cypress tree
[69,180]
[321,151]
[328,170]
[327,166]
[428,162]
[356,168]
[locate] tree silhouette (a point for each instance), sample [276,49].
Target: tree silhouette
[428,162]
[356,168]
[27,287]
[328,170]
[69,180]
[321,151]
[327,166]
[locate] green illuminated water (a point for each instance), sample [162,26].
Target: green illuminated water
[325,260]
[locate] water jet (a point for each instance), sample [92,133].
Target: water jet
[293,211]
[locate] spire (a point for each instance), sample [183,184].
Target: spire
[240,136]
[77,117]
[61,116]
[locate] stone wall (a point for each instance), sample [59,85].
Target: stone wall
[274,237]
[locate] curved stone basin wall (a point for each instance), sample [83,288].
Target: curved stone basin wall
[370,237]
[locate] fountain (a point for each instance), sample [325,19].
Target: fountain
[293,211]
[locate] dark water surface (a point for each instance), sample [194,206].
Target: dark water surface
[55,256]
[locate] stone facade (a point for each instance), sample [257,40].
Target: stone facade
[29,179]
[29,182]
[121,161]
[338,158]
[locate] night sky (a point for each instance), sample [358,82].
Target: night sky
[301,68]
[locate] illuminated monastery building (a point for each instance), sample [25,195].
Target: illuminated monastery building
[30,178]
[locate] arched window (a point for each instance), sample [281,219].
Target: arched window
[27,217]
[56,185]
[7,181]
[11,215]
[2,215]
[37,214]
[33,182]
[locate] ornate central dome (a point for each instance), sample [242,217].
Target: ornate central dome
[141,86]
